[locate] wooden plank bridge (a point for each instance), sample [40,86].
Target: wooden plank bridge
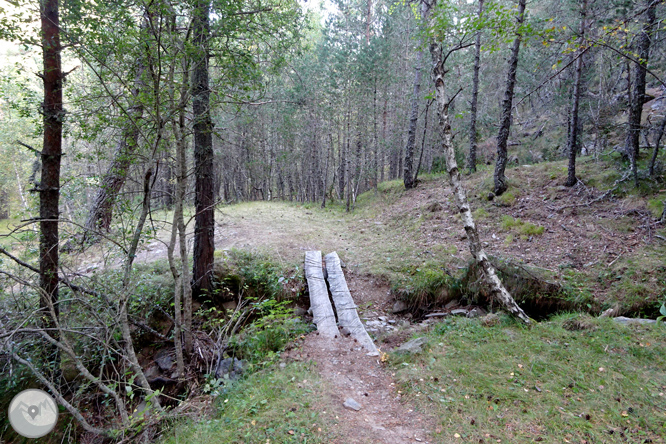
[320,302]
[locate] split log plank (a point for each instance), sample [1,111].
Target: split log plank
[322,310]
[344,304]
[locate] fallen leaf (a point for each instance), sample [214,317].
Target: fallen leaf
[291,432]
[456,435]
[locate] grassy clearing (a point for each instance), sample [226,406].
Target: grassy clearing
[271,406]
[572,379]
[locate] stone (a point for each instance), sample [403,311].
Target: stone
[229,368]
[412,347]
[449,305]
[625,320]
[399,307]
[351,404]
[151,372]
[460,312]
[491,196]
[164,358]
[300,311]
[382,318]
[231,305]
[434,207]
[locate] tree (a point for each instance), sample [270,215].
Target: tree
[507,106]
[49,188]
[204,194]
[493,282]
[573,133]
[638,90]
[473,134]
[408,174]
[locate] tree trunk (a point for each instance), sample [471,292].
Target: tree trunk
[408,172]
[471,159]
[572,137]
[638,93]
[489,275]
[49,190]
[657,140]
[507,106]
[101,210]
[204,194]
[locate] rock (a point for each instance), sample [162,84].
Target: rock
[300,311]
[229,368]
[412,347]
[391,321]
[399,307]
[611,312]
[476,312]
[382,318]
[344,331]
[164,358]
[151,372]
[625,320]
[351,404]
[491,196]
[434,207]
[490,320]
[449,305]
[460,312]
[231,305]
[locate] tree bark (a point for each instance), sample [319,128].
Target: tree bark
[49,189]
[473,136]
[507,106]
[497,290]
[101,210]
[204,197]
[572,138]
[657,141]
[408,172]
[638,93]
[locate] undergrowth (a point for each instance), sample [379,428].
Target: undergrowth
[270,406]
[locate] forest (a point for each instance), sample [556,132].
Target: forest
[166,164]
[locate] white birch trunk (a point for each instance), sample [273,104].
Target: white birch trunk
[497,290]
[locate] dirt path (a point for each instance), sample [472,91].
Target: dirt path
[349,373]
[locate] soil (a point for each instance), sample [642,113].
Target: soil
[348,372]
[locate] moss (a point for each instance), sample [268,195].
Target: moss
[508,199]
[480,213]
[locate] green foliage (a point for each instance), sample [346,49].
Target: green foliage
[507,199]
[429,284]
[262,341]
[275,404]
[522,227]
[255,275]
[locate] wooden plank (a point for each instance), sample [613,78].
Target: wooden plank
[322,310]
[345,306]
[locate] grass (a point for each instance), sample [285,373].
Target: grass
[270,406]
[521,227]
[604,383]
